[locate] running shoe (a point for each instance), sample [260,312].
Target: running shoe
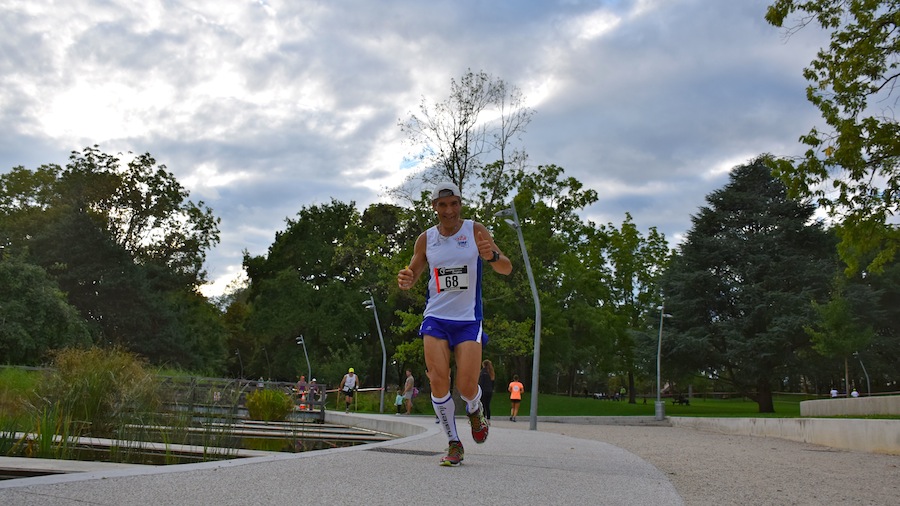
[479,425]
[454,455]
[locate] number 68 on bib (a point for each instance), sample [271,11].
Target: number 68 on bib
[448,279]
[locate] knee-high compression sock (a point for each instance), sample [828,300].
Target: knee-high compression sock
[444,408]
[472,404]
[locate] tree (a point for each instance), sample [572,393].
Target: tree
[312,283]
[852,169]
[35,318]
[456,135]
[740,286]
[125,246]
[635,264]
[860,317]
[838,334]
[114,295]
[575,327]
[145,208]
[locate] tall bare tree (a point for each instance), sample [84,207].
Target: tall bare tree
[482,115]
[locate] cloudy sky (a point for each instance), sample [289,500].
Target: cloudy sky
[261,107]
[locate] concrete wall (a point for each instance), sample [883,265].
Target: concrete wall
[860,406]
[396,426]
[875,436]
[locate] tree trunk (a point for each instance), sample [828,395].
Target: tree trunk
[846,377]
[631,388]
[764,396]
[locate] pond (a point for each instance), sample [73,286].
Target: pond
[201,420]
[213,440]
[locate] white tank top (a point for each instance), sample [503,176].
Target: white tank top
[454,281]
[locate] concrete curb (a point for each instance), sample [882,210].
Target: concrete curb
[873,436]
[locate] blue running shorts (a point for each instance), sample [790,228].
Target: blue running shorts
[454,332]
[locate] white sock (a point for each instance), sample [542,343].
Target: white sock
[445,408]
[472,404]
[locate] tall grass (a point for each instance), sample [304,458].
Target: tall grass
[269,405]
[102,389]
[52,431]
[9,443]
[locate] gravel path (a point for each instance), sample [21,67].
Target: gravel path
[708,468]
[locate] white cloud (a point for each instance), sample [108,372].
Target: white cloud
[262,107]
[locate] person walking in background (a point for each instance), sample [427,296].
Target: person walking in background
[398,401]
[315,395]
[486,384]
[408,388]
[454,252]
[349,384]
[515,396]
[301,391]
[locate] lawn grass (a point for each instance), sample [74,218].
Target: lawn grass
[559,405]
[15,382]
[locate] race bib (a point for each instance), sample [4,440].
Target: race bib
[448,279]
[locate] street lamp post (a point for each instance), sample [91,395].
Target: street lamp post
[238,353]
[370,304]
[660,406]
[514,223]
[301,342]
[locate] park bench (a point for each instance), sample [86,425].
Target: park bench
[684,401]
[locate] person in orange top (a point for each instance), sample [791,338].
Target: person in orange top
[515,396]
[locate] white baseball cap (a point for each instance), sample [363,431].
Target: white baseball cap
[445,189]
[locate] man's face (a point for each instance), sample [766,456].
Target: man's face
[447,208]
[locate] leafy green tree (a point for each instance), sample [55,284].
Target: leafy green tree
[112,293]
[838,332]
[203,333]
[312,283]
[740,286]
[573,330]
[140,204]
[851,168]
[634,263]
[145,209]
[861,316]
[35,318]
[125,246]
[882,311]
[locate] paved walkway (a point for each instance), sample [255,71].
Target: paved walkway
[514,467]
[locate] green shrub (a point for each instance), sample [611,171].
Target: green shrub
[100,390]
[269,405]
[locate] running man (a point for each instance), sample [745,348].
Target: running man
[349,384]
[454,251]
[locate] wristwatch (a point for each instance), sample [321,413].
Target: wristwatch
[495,257]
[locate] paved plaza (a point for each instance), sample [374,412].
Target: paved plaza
[560,463]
